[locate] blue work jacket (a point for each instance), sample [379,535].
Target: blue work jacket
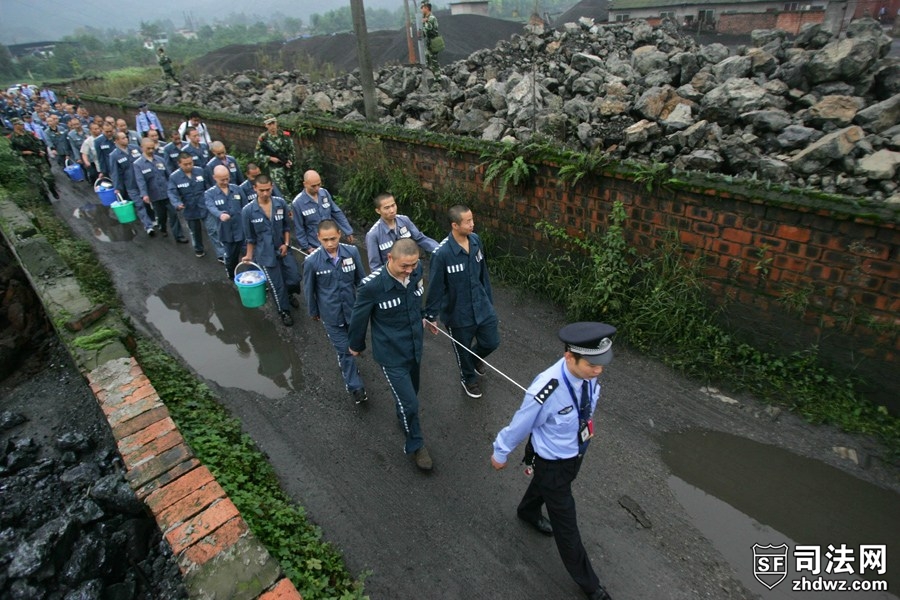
[151,177]
[308,213]
[330,288]
[380,238]
[201,155]
[234,170]
[265,233]
[460,288]
[232,203]
[187,190]
[396,315]
[121,171]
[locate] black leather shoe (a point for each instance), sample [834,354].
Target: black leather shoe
[287,319]
[293,300]
[542,524]
[599,594]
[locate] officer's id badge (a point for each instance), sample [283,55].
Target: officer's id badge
[480,256]
[586,430]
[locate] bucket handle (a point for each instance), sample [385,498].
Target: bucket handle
[251,263]
[99,179]
[69,162]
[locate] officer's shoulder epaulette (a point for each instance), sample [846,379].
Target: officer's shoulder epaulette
[371,276]
[541,396]
[441,245]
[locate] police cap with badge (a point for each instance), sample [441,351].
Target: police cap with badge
[590,339]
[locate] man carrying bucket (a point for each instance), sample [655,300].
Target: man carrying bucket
[121,171]
[268,235]
[224,201]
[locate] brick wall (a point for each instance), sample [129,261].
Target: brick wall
[745,23]
[788,275]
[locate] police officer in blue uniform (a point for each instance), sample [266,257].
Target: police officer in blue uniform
[186,190]
[312,205]
[330,276]
[225,201]
[146,120]
[557,414]
[268,235]
[152,184]
[460,292]
[391,298]
[389,228]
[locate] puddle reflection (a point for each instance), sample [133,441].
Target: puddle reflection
[739,493]
[223,341]
[104,224]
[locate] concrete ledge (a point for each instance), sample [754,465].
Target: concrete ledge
[218,555]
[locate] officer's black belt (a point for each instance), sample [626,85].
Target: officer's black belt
[556,460]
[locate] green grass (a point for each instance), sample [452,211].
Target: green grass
[120,83]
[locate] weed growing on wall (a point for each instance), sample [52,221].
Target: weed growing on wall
[660,305]
[315,567]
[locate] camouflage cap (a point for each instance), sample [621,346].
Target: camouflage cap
[17,121]
[268,118]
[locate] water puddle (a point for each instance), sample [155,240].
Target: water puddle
[104,224]
[739,493]
[223,341]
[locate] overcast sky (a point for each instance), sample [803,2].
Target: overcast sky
[40,20]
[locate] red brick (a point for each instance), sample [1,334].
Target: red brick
[283,590]
[218,541]
[190,505]
[166,478]
[737,235]
[157,446]
[160,499]
[139,381]
[131,410]
[123,430]
[146,472]
[129,444]
[189,532]
[795,234]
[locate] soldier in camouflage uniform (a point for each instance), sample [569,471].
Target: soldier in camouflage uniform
[275,152]
[166,63]
[34,152]
[430,31]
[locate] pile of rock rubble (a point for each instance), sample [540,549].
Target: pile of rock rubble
[813,111]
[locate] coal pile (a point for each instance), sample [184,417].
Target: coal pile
[70,526]
[813,111]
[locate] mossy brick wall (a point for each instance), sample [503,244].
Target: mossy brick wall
[788,276]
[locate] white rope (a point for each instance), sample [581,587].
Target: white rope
[298,250]
[469,350]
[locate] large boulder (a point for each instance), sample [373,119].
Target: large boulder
[881,116]
[879,165]
[725,102]
[820,154]
[846,59]
[649,58]
[836,111]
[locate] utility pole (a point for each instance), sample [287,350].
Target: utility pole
[410,47]
[421,39]
[365,58]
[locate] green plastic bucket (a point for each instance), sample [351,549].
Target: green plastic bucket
[251,285]
[124,211]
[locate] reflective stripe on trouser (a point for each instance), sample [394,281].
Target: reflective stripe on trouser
[338,336]
[404,382]
[487,339]
[551,485]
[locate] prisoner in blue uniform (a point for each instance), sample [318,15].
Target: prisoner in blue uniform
[152,185]
[330,276]
[460,292]
[121,170]
[186,190]
[391,298]
[268,236]
[557,413]
[312,205]
[389,228]
[197,149]
[104,145]
[225,201]
[252,172]
[219,157]
[171,151]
